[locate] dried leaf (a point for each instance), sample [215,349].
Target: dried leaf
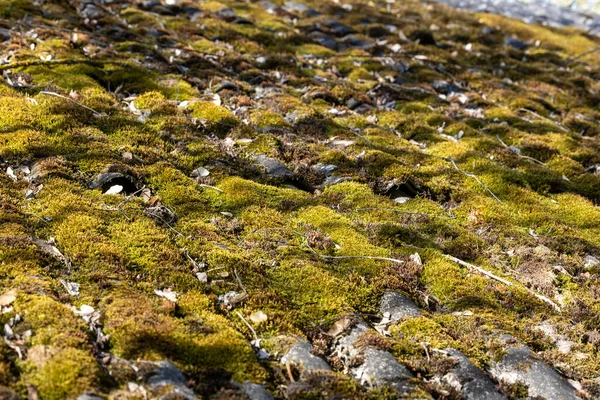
[202,277]
[258,317]
[49,248]
[341,143]
[339,326]
[167,294]
[8,297]
[71,287]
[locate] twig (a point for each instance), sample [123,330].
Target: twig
[210,187]
[214,269]
[289,371]
[36,216]
[96,113]
[585,53]
[170,227]
[426,351]
[68,61]
[396,210]
[194,262]
[131,196]
[121,204]
[248,325]
[391,209]
[395,260]
[519,155]
[239,280]
[499,279]
[478,269]
[476,178]
[543,118]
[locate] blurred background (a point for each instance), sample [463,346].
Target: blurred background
[556,13]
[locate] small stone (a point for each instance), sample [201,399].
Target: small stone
[301,357]
[515,43]
[397,306]
[269,6]
[352,103]
[200,172]
[562,343]
[273,167]
[5,34]
[339,326]
[401,199]
[90,396]
[336,28]
[226,14]
[167,376]
[445,87]
[71,287]
[341,143]
[542,381]
[334,180]
[380,368]
[470,381]
[299,8]
[90,11]
[324,40]
[255,391]
[590,261]
[416,258]
[325,169]
[354,42]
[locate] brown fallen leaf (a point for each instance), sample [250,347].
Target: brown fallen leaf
[339,326]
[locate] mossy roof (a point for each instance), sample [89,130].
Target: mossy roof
[442,138]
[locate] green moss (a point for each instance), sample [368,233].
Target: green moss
[415,331]
[359,75]
[53,323]
[219,120]
[414,108]
[67,374]
[231,224]
[316,50]
[239,193]
[69,77]
[154,102]
[201,342]
[173,87]
[205,46]
[267,119]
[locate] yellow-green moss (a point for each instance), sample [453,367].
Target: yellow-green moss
[218,118]
[67,374]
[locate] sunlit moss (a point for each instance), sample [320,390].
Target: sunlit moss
[305,256]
